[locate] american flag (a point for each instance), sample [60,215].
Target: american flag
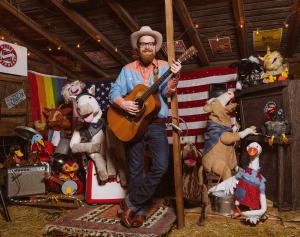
[192,94]
[102,90]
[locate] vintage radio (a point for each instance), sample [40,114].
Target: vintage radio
[25,180]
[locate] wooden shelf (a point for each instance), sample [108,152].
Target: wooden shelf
[264,87]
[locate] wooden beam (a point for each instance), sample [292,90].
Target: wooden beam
[36,27]
[192,32]
[125,17]
[121,12]
[91,30]
[293,29]
[240,25]
[76,1]
[174,108]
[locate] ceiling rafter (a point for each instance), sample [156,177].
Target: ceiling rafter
[36,27]
[91,30]
[125,17]
[240,25]
[293,29]
[186,20]
[123,14]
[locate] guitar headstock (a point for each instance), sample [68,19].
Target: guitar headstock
[190,52]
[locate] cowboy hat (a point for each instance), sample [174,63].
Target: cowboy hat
[146,30]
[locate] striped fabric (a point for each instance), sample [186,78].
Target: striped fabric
[45,91]
[192,92]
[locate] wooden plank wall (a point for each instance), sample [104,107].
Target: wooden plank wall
[18,115]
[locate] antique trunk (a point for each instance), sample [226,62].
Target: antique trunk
[280,163]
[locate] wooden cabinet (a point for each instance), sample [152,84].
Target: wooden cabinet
[280,163]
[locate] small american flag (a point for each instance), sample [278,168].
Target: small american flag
[102,90]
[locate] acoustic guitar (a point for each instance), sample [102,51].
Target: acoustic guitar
[128,127]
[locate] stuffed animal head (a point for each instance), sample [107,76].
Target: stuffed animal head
[191,155]
[57,117]
[15,150]
[272,60]
[220,108]
[87,106]
[270,111]
[71,90]
[70,167]
[254,149]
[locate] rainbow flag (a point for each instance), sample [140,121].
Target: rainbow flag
[45,92]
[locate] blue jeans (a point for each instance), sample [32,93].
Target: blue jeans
[142,187]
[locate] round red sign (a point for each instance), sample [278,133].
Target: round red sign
[8,56]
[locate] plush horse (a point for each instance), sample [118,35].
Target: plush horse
[248,187]
[69,92]
[219,152]
[89,111]
[58,124]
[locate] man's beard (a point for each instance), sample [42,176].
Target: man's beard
[146,56]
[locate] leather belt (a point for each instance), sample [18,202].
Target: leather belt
[160,120]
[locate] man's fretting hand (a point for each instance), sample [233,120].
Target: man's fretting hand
[175,67]
[130,106]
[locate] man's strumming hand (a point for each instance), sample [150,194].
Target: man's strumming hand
[130,106]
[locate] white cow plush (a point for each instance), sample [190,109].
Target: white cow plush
[89,111]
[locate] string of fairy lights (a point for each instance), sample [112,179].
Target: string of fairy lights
[10,38]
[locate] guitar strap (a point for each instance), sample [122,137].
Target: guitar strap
[155,72]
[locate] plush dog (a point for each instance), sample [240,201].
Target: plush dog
[194,188]
[219,152]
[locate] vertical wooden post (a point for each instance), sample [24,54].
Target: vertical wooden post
[174,109]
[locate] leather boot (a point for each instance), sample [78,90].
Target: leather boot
[137,221]
[126,215]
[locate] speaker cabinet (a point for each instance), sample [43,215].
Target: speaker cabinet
[25,180]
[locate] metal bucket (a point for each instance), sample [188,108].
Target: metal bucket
[222,204]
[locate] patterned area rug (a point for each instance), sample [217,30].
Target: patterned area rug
[103,221]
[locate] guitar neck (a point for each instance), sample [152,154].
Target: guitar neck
[155,86]
[153,89]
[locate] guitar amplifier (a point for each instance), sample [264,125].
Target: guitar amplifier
[25,180]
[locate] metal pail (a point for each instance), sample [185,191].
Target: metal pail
[221,204]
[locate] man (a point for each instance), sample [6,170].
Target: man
[142,71]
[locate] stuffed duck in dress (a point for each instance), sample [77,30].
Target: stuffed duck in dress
[248,187]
